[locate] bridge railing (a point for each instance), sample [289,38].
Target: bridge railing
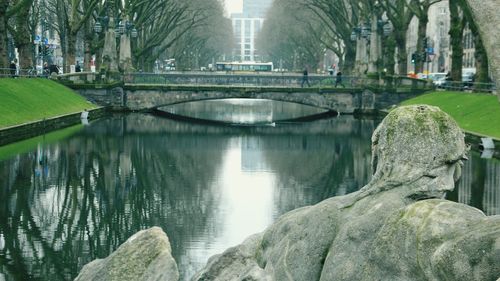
[468,86]
[13,73]
[276,80]
[287,80]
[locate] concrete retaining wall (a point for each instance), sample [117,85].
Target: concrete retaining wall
[33,129]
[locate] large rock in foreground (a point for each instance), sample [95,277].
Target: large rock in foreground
[146,256]
[394,228]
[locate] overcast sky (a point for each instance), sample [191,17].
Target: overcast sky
[234,6]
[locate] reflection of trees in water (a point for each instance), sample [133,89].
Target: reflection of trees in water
[69,203]
[318,166]
[88,194]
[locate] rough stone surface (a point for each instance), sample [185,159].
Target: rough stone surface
[486,15]
[146,256]
[394,228]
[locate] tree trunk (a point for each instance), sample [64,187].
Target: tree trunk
[87,55]
[400,37]
[422,33]
[457,26]
[487,18]
[482,65]
[87,46]
[4,60]
[64,49]
[22,38]
[71,49]
[350,56]
[389,47]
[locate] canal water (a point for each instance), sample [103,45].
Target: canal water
[75,195]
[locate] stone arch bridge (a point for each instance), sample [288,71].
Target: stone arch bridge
[148,97]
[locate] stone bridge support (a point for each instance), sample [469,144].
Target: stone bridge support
[486,15]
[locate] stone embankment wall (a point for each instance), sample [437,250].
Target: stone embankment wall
[29,130]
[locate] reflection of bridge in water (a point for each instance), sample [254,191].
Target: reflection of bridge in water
[478,189]
[149,125]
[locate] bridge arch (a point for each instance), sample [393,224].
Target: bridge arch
[340,101]
[315,100]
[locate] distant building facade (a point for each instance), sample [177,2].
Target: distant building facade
[439,40]
[246,27]
[256,8]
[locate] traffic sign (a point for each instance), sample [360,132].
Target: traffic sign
[45,41]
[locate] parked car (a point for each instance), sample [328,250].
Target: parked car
[468,80]
[438,78]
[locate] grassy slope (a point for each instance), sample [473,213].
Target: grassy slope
[476,113]
[28,99]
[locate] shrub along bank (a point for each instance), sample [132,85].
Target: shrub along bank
[478,114]
[24,100]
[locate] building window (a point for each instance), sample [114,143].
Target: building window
[256,26]
[248,26]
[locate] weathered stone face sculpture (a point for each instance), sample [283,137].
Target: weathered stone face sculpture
[487,17]
[394,228]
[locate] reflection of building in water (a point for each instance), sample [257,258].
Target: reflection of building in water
[492,188]
[252,159]
[468,185]
[465,183]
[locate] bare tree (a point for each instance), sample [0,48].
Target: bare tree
[292,37]
[457,27]
[3,34]
[421,10]
[339,17]
[400,15]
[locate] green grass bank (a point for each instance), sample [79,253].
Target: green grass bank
[24,100]
[476,113]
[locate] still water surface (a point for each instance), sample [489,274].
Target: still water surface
[67,202]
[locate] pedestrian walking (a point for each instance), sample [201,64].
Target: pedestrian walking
[78,68]
[13,69]
[305,78]
[338,80]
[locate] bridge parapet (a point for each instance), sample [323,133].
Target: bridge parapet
[289,80]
